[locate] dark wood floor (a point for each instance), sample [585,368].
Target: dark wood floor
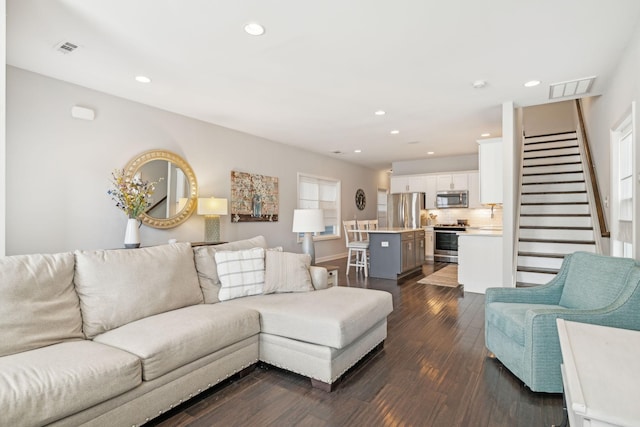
[433,371]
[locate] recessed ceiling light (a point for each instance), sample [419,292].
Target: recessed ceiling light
[143,79]
[532,83]
[395,132]
[484,135]
[479,84]
[380,113]
[254,29]
[430,152]
[357,151]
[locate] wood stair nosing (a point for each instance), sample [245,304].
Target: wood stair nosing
[552,164]
[532,193]
[552,156]
[552,203]
[554,182]
[551,173]
[537,270]
[527,285]
[554,227]
[549,141]
[533,150]
[569,242]
[564,215]
[542,135]
[541,255]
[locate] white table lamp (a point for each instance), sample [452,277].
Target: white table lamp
[212,208]
[308,221]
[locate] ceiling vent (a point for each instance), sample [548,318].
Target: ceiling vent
[66,47]
[572,88]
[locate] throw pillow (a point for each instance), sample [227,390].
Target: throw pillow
[241,273]
[287,272]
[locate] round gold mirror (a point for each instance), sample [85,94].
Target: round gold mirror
[176,189]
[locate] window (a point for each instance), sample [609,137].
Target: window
[622,190]
[324,193]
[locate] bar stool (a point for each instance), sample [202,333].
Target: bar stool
[357,256]
[363,226]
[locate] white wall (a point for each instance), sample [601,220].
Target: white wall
[549,118]
[58,169]
[436,164]
[603,112]
[3,39]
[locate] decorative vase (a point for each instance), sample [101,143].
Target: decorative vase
[257,206]
[132,234]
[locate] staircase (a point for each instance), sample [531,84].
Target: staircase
[555,217]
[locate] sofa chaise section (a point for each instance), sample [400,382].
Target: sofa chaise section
[320,334]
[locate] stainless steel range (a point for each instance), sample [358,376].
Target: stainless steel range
[446,242]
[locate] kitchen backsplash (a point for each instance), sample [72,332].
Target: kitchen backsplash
[476,217]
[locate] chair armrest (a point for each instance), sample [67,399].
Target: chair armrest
[319,277]
[544,294]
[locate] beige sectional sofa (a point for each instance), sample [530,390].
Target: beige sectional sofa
[117,337]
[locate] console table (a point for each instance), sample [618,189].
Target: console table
[600,373]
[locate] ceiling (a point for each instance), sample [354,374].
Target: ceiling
[322,68]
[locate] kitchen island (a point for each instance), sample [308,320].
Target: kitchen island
[395,252]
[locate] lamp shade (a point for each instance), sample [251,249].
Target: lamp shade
[308,220]
[212,206]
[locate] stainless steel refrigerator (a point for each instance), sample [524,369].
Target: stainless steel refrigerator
[403,210]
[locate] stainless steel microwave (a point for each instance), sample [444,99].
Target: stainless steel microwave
[452,199]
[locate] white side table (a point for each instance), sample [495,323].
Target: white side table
[601,374]
[332,277]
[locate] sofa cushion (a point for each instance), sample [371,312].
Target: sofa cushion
[38,304]
[119,286]
[287,272]
[207,268]
[40,386]
[170,340]
[509,318]
[241,273]
[333,317]
[603,277]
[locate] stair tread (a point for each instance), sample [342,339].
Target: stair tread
[557,214]
[552,164]
[551,173]
[553,227]
[552,156]
[554,182]
[564,147]
[552,203]
[572,242]
[541,255]
[555,192]
[538,270]
[542,135]
[527,285]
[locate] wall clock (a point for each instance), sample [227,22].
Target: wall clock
[361,199]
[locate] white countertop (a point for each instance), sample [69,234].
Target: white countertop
[480,232]
[394,230]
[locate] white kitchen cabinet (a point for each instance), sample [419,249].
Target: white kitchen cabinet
[452,182]
[430,193]
[428,244]
[408,184]
[474,190]
[490,160]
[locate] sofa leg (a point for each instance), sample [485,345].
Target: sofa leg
[246,371]
[322,385]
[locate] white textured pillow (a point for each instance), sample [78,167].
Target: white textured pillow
[241,273]
[206,264]
[287,272]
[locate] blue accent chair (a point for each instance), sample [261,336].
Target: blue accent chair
[520,323]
